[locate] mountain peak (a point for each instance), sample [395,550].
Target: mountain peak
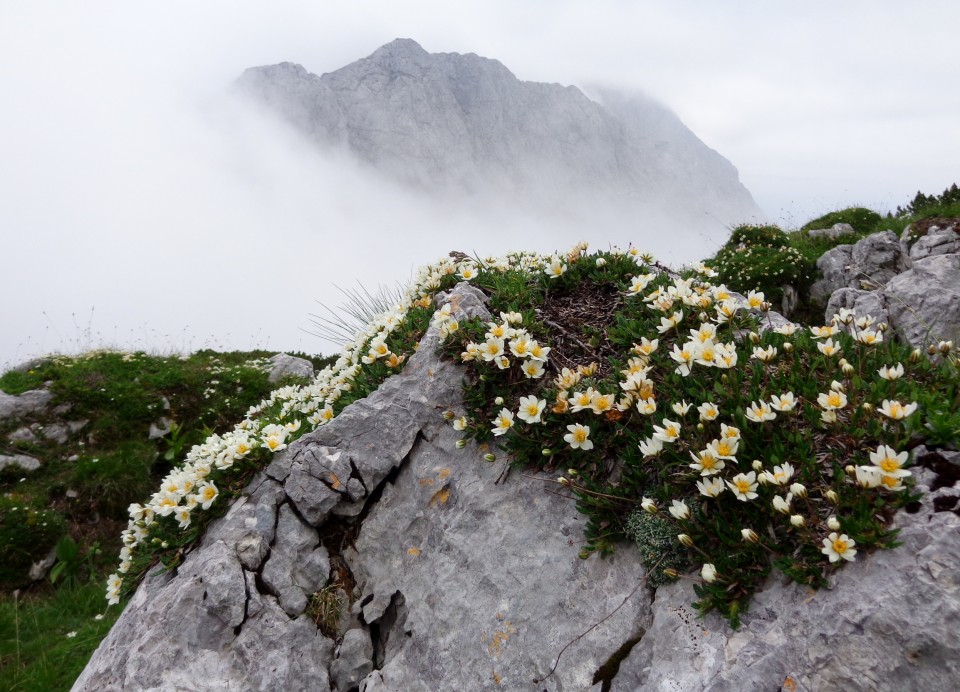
[400,47]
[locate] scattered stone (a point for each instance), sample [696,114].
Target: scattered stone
[161,428]
[25,462]
[937,241]
[56,432]
[33,401]
[283,365]
[23,434]
[838,230]
[834,266]
[39,569]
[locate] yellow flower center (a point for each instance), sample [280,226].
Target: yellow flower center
[889,464]
[580,435]
[743,486]
[840,546]
[533,409]
[707,461]
[724,448]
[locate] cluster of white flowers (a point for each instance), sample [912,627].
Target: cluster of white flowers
[502,338]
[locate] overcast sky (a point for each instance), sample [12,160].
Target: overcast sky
[140,208]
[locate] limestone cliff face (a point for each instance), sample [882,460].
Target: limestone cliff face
[455,124]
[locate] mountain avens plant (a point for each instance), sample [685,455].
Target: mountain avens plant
[676,413]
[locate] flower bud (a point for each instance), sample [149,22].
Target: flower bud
[787,347]
[847,369]
[850,470]
[931,349]
[671,573]
[837,386]
[546,452]
[564,481]
[461,444]
[944,347]
[164,545]
[498,401]
[449,415]
[601,262]
[799,490]
[797,520]
[750,536]
[866,406]
[833,523]
[915,355]
[882,327]
[757,465]
[708,572]
[685,539]
[765,306]
[489,457]
[584,554]
[754,338]
[832,497]
[573,472]
[649,505]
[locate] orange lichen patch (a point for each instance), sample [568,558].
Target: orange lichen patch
[483,447]
[496,678]
[333,480]
[429,372]
[415,552]
[789,685]
[500,637]
[443,473]
[425,481]
[441,497]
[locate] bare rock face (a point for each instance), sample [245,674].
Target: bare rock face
[34,401]
[461,582]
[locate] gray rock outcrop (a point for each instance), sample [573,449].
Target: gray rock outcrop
[465,125]
[461,582]
[911,283]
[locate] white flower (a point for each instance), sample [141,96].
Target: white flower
[491,349]
[725,448]
[797,520]
[681,408]
[679,510]
[651,447]
[868,476]
[533,369]
[759,413]
[750,536]
[531,409]
[765,354]
[648,505]
[889,462]
[503,422]
[832,400]
[460,423]
[892,373]
[710,487]
[782,504]
[781,474]
[828,348]
[708,411]
[647,407]
[744,486]
[895,410]
[114,582]
[706,462]
[784,402]
[206,494]
[669,432]
[836,547]
[578,437]
[708,572]
[71,635]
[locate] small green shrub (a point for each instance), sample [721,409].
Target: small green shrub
[656,539]
[862,219]
[761,258]
[26,535]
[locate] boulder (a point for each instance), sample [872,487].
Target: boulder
[862,302]
[924,302]
[834,266]
[283,366]
[875,260]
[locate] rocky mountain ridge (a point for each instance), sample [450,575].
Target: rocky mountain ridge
[465,125]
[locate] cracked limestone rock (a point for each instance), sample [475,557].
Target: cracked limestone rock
[462,583]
